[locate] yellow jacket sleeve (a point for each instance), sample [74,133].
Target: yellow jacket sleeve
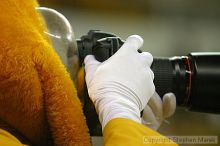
[125,132]
[6,139]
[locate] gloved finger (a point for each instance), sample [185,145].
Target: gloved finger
[91,64]
[155,103]
[132,44]
[149,119]
[146,58]
[169,104]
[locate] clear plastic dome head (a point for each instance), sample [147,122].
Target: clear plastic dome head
[62,37]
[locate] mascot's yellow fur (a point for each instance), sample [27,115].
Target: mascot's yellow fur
[38,101]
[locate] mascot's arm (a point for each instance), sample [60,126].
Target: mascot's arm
[63,108]
[127,132]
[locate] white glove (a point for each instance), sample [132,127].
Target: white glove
[157,110]
[121,86]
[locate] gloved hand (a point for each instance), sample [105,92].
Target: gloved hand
[121,86]
[157,110]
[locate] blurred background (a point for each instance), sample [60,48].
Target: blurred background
[169,28]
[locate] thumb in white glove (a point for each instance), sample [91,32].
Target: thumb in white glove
[157,110]
[121,86]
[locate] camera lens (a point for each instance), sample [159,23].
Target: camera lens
[172,75]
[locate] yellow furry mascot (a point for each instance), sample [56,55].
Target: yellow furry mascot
[38,101]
